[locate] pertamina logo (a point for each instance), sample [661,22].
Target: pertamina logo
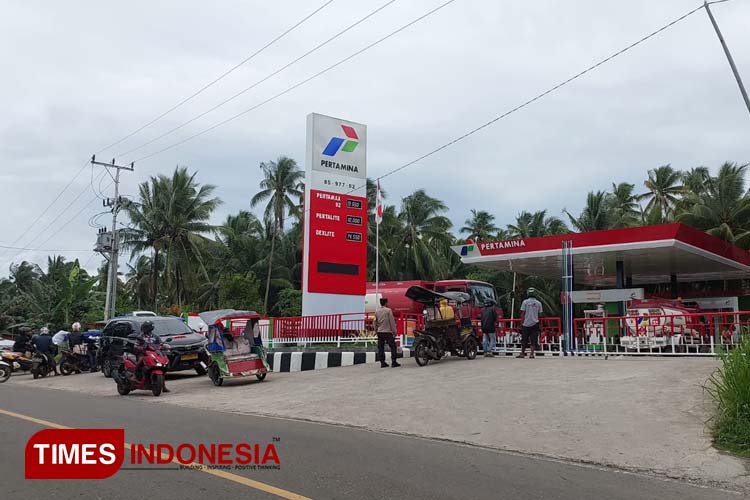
[469,247]
[347,145]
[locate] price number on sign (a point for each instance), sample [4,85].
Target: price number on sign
[354,219]
[354,237]
[354,204]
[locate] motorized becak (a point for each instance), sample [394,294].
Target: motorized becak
[233,348]
[142,371]
[445,331]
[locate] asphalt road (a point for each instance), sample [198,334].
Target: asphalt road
[317,461]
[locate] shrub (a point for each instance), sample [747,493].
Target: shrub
[729,386]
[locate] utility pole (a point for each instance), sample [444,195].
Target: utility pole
[111,297]
[726,51]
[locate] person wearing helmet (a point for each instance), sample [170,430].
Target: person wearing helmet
[531,309]
[147,337]
[44,346]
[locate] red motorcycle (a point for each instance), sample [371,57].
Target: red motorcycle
[145,374]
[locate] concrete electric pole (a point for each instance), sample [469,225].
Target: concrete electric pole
[111,297]
[726,51]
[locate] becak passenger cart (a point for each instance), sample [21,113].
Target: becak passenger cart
[234,345]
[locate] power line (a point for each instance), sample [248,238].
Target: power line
[43,249]
[217,79]
[298,84]
[26,231]
[526,103]
[541,95]
[266,78]
[60,214]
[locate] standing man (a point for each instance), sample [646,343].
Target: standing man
[489,328]
[385,326]
[531,308]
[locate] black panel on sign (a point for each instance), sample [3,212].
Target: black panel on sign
[354,219]
[353,204]
[336,268]
[354,237]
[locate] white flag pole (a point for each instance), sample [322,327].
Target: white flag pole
[377,248]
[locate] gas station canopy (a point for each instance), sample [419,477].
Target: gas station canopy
[650,254]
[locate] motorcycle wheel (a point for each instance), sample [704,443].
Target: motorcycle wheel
[123,389]
[157,384]
[421,356]
[5,372]
[470,348]
[107,368]
[261,376]
[66,368]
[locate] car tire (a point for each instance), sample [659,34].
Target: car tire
[261,376]
[200,370]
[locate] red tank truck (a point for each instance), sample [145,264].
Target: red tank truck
[395,292]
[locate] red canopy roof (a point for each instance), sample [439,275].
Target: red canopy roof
[650,255]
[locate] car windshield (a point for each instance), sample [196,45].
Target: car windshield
[166,327]
[482,294]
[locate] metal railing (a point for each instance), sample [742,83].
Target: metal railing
[661,334]
[338,329]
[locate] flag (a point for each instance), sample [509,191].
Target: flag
[378,206]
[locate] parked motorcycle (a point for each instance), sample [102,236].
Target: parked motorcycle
[75,362]
[17,361]
[5,371]
[148,374]
[42,365]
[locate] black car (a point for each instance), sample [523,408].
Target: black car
[186,348]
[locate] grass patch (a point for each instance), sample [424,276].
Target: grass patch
[729,387]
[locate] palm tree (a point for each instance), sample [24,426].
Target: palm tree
[171,218]
[664,188]
[594,216]
[723,208]
[425,236]
[532,225]
[696,179]
[138,284]
[480,225]
[282,186]
[623,205]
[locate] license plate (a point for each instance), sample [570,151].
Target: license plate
[188,357]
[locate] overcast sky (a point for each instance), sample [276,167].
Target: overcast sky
[79,75]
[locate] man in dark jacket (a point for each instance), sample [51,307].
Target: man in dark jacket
[44,346]
[489,326]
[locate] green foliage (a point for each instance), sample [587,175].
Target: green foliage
[240,291]
[289,302]
[729,387]
[182,262]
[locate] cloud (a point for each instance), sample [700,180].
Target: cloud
[81,75]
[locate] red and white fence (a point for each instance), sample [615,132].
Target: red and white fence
[683,334]
[509,335]
[338,329]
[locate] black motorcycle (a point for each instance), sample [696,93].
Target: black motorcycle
[77,362]
[42,364]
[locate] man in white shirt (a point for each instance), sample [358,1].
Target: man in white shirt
[531,309]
